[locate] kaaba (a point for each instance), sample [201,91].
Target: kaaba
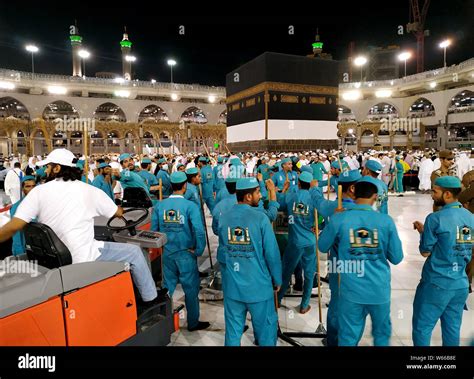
[281,102]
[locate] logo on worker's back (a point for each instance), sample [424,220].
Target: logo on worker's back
[363,237]
[238,236]
[172,216]
[464,235]
[32,362]
[300,209]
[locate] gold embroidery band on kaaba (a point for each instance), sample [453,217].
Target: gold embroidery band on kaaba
[283,87]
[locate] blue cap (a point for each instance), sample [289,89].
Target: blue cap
[247,183]
[124,156]
[28,177]
[398,157]
[307,168]
[373,165]
[448,182]
[103,165]
[220,160]
[335,164]
[179,165]
[178,177]
[146,160]
[349,176]
[286,160]
[306,177]
[231,179]
[203,159]
[192,171]
[41,172]
[161,160]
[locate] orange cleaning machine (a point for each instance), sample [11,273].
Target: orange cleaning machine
[47,301]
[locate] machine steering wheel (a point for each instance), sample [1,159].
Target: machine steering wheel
[130,225]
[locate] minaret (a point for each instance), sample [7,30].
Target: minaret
[317,44]
[126,47]
[76,43]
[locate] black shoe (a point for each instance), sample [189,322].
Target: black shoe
[203,274]
[163,295]
[298,287]
[200,326]
[143,306]
[325,279]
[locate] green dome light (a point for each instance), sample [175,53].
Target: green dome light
[126,43]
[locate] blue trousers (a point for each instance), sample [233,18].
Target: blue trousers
[433,303]
[264,321]
[351,318]
[132,254]
[331,320]
[291,257]
[182,268]
[210,202]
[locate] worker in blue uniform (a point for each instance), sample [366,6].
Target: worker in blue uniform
[327,209]
[104,181]
[336,171]
[162,166]
[264,169]
[252,267]
[192,188]
[318,169]
[236,170]
[180,220]
[127,177]
[147,176]
[28,182]
[370,173]
[207,183]
[301,239]
[446,241]
[219,181]
[398,170]
[285,174]
[366,241]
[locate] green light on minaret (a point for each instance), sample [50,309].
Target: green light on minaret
[126,43]
[318,45]
[75,38]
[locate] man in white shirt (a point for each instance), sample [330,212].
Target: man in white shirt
[68,206]
[13,183]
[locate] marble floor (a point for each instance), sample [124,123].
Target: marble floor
[405,277]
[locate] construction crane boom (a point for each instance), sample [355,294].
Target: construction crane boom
[417,27]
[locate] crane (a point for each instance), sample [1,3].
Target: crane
[416,26]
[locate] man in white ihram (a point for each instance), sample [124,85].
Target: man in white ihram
[13,183]
[68,206]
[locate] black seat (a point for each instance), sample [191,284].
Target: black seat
[44,246]
[136,197]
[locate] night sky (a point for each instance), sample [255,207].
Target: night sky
[219,39]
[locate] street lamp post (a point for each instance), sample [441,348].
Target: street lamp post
[32,49]
[171,63]
[444,45]
[360,62]
[404,57]
[84,54]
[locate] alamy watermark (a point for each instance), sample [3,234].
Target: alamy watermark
[356,266]
[12,266]
[408,125]
[75,124]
